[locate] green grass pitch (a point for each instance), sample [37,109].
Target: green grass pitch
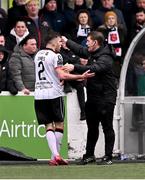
[43,171]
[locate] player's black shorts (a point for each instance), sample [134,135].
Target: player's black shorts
[49,110]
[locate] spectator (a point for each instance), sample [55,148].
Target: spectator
[60,5]
[16,12]
[51,17]
[21,65]
[72,9]
[49,105]
[115,35]
[128,8]
[140,3]
[35,26]
[96,4]
[83,27]
[6,83]
[2,40]
[107,5]
[101,94]
[82,4]
[18,33]
[3,21]
[139,22]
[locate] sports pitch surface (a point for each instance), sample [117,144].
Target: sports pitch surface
[72,171]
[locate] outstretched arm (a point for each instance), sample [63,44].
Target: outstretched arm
[76,48]
[67,76]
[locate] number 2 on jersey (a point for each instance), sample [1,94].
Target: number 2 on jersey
[40,73]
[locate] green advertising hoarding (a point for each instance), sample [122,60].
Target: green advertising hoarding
[19,129]
[10,3]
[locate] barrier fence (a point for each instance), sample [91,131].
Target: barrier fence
[19,129]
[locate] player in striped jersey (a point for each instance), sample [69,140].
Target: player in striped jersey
[49,105]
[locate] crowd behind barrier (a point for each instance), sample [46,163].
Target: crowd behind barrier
[38,18]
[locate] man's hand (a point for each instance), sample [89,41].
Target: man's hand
[64,39]
[26,91]
[68,67]
[86,75]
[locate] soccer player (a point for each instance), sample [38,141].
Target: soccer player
[49,105]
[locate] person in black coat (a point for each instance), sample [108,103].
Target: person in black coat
[108,6]
[115,35]
[6,83]
[16,12]
[35,25]
[101,93]
[3,21]
[139,22]
[83,27]
[70,12]
[71,58]
[51,17]
[17,34]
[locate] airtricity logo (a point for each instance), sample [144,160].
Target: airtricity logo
[12,129]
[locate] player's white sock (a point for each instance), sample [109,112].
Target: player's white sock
[59,136]
[51,139]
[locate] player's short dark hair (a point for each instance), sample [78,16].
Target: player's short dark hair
[50,36]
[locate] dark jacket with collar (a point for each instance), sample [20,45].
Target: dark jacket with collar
[15,13]
[3,22]
[39,32]
[54,20]
[136,29]
[6,82]
[102,87]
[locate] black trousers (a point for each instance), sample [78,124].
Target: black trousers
[95,114]
[79,86]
